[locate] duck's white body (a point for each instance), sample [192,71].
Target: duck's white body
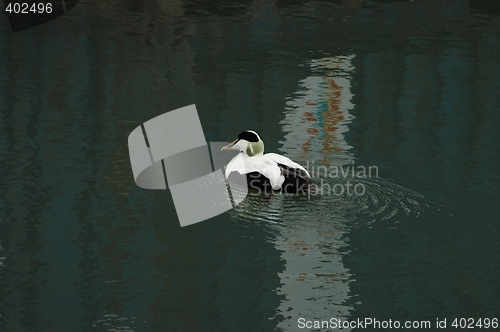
[265,170]
[266,164]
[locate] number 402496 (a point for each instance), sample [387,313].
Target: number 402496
[470,323]
[26,8]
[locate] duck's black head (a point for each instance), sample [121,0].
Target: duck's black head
[249,135]
[249,142]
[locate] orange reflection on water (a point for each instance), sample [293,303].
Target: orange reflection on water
[319,114]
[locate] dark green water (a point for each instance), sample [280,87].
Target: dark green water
[412,88]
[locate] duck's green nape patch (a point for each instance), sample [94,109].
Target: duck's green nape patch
[255,148]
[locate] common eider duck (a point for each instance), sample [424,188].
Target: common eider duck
[265,172]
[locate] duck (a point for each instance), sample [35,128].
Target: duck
[265,172]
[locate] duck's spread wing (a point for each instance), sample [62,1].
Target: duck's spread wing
[287,165]
[289,172]
[260,164]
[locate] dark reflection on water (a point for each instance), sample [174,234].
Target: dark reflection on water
[485,7]
[409,87]
[218,8]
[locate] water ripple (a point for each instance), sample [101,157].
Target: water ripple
[382,200]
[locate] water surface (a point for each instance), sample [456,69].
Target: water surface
[408,87]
